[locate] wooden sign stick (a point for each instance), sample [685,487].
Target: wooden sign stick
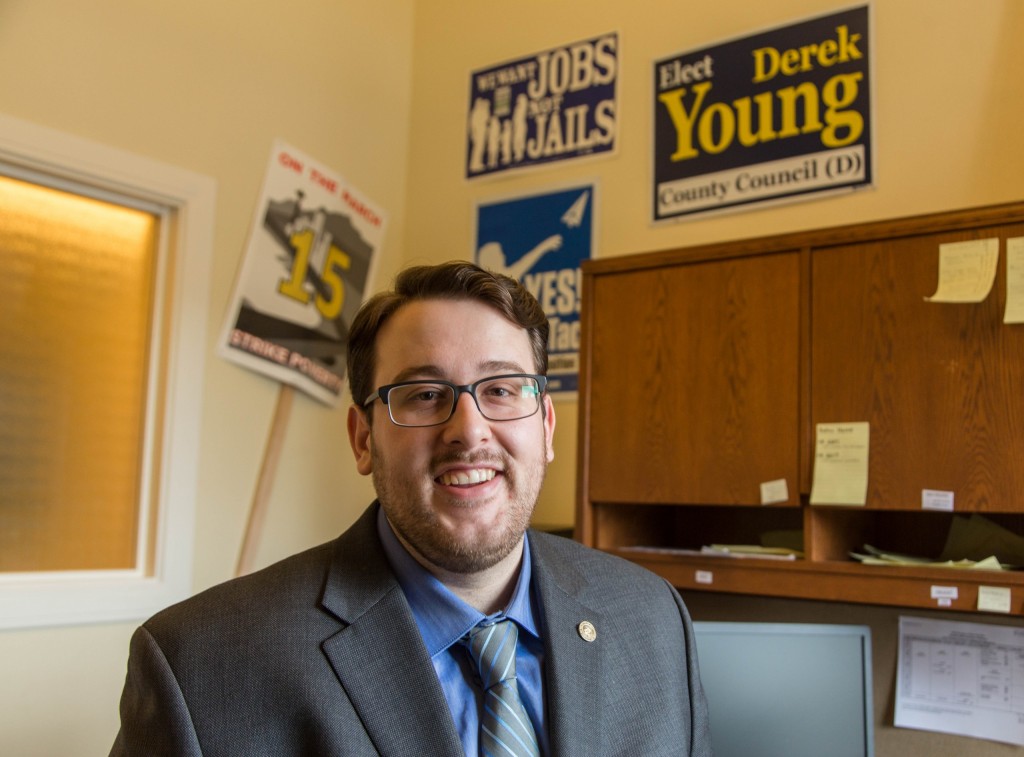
[265,482]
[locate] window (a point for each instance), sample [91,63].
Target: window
[103,284]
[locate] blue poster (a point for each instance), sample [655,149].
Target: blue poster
[547,107]
[541,240]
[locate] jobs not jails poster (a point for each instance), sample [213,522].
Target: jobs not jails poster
[545,108]
[308,263]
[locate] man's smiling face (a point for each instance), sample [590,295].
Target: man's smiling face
[459,494]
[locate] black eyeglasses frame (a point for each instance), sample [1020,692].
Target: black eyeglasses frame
[382,393]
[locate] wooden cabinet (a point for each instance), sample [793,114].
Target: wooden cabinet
[695,369]
[941,384]
[705,370]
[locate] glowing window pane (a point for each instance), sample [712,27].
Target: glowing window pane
[76,299]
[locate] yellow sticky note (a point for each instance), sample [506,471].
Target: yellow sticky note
[1014,281]
[840,464]
[967,270]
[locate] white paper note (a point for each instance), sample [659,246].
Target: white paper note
[840,464]
[961,678]
[995,599]
[966,270]
[932,499]
[774,491]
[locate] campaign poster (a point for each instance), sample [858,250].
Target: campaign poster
[541,240]
[308,263]
[784,114]
[551,106]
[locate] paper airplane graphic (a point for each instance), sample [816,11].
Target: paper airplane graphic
[574,216]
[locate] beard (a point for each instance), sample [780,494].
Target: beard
[409,509]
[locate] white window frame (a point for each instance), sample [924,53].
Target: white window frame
[185,203]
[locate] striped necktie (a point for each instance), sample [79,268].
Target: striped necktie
[505,728]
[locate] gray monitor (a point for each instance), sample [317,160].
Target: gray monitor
[787,689]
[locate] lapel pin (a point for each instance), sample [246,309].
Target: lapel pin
[587,631]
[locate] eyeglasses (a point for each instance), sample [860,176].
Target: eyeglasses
[431,403]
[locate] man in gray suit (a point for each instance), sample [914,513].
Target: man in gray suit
[385,640]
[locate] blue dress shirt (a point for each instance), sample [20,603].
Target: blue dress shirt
[443,619]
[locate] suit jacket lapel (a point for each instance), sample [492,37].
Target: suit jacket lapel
[379,657]
[573,666]
[383,665]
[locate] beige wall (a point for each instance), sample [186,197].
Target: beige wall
[949,107]
[380,95]
[207,86]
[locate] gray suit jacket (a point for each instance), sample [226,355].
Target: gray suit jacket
[320,655]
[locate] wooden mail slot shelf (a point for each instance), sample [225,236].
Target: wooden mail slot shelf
[705,371]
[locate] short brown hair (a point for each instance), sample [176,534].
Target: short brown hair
[454,280]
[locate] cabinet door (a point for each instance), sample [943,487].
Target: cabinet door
[942,385]
[694,381]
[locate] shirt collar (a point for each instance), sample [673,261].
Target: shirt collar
[441,616]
